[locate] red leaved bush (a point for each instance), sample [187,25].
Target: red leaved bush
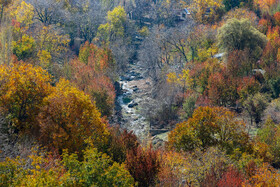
[143,165]
[264,25]
[225,89]
[213,177]
[222,89]
[232,177]
[277,18]
[121,142]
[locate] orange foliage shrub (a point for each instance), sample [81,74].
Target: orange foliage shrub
[90,75]
[271,55]
[173,169]
[264,25]
[264,176]
[69,118]
[277,18]
[265,5]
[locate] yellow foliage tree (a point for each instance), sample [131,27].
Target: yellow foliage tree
[35,170]
[205,11]
[23,13]
[209,127]
[114,28]
[44,58]
[44,169]
[68,118]
[23,88]
[189,169]
[49,41]
[182,80]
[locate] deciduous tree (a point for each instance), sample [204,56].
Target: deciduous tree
[255,106]
[96,169]
[90,74]
[239,35]
[115,26]
[143,165]
[23,89]
[206,11]
[68,118]
[209,127]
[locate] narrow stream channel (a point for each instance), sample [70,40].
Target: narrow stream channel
[135,89]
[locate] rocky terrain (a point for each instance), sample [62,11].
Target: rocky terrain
[132,95]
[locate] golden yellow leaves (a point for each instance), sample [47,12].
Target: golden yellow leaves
[24,14]
[204,53]
[49,40]
[24,47]
[68,118]
[44,58]
[264,176]
[23,88]
[114,27]
[183,79]
[265,5]
[204,11]
[61,116]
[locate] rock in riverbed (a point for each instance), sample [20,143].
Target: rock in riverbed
[132,104]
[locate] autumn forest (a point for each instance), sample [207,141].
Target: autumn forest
[140,93]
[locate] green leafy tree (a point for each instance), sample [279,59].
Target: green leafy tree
[239,35]
[269,136]
[97,169]
[229,4]
[24,47]
[274,87]
[189,106]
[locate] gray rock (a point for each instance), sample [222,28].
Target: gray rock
[135,89]
[132,104]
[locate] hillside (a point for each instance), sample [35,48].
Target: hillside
[140,93]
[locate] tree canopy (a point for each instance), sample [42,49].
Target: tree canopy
[239,35]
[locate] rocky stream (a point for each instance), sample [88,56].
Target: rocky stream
[133,92]
[134,95]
